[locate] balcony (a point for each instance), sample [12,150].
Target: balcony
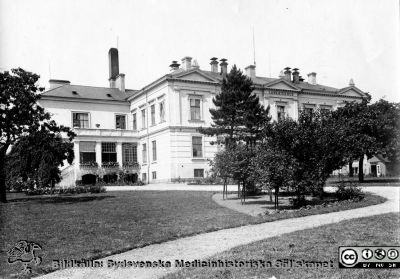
[106,133]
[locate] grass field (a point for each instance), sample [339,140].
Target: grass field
[320,244]
[94,226]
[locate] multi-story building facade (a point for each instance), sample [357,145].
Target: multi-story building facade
[152,133]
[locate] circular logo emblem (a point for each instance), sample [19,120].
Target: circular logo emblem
[367,254]
[380,254]
[392,254]
[349,257]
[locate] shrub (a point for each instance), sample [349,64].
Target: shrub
[348,191]
[298,201]
[97,189]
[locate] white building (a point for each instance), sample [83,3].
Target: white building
[157,125]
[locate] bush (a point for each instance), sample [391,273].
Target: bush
[97,189]
[298,202]
[67,191]
[348,191]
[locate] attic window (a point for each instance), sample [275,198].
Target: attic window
[108,94]
[74,92]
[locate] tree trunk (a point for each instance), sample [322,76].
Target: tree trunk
[351,170]
[361,169]
[3,192]
[238,189]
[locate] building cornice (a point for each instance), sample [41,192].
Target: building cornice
[83,100]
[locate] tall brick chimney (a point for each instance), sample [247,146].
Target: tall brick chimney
[113,66]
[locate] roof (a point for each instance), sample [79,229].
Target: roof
[89,92]
[261,80]
[379,158]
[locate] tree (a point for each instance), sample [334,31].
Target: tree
[37,156]
[368,129]
[238,114]
[274,168]
[313,146]
[20,114]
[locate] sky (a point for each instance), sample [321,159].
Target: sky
[338,40]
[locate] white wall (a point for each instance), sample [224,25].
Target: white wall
[99,113]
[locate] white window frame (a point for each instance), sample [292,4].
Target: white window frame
[89,119]
[162,102]
[200,98]
[202,146]
[152,151]
[126,120]
[134,117]
[151,115]
[144,119]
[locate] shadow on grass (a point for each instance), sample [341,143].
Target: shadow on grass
[61,199]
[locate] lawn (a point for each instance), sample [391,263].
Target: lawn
[85,226]
[320,244]
[97,225]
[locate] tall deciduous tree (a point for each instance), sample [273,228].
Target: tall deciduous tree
[37,156]
[368,129]
[20,114]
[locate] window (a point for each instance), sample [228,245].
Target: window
[198,173]
[120,122]
[195,109]
[129,153]
[108,152]
[281,112]
[154,147]
[162,111]
[87,152]
[80,120]
[309,110]
[144,119]
[134,122]
[144,153]
[154,175]
[153,114]
[144,177]
[197,147]
[325,109]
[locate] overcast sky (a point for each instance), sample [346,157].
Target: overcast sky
[338,40]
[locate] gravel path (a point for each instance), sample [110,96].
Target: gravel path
[205,245]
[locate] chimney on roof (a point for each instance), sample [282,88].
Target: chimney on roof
[174,66]
[224,67]
[113,66]
[288,74]
[296,75]
[54,83]
[214,65]
[195,64]
[186,63]
[251,71]
[281,74]
[312,78]
[351,82]
[120,82]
